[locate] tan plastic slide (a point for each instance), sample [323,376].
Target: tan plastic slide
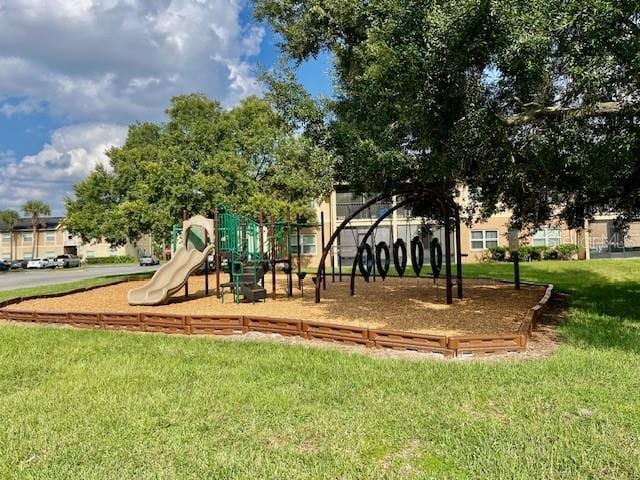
[169,278]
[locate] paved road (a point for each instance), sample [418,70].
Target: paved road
[31,278]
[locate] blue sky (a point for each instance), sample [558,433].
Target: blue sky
[73,75]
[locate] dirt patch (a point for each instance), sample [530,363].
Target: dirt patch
[409,304]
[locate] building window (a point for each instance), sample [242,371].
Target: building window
[51,237]
[27,237]
[6,238]
[91,254]
[113,251]
[51,254]
[6,256]
[348,202]
[547,237]
[308,243]
[28,256]
[483,239]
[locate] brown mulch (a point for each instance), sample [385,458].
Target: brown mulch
[407,304]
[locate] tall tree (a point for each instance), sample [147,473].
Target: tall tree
[246,158]
[532,104]
[10,218]
[35,209]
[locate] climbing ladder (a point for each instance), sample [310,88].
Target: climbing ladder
[240,243]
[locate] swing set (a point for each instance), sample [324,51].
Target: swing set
[374,256]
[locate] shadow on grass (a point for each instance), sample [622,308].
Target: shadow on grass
[605,314]
[605,295]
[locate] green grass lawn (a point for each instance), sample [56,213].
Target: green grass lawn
[91,404]
[68,286]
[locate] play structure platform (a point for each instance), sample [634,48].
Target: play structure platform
[250,248]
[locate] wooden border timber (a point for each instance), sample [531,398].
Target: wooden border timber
[85,319]
[533,315]
[332,332]
[419,342]
[459,345]
[282,326]
[483,344]
[19,316]
[120,321]
[216,324]
[51,317]
[165,323]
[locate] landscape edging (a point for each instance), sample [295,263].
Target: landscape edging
[447,346]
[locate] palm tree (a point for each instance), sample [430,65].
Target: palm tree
[10,218]
[35,208]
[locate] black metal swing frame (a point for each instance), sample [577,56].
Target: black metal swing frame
[450,211]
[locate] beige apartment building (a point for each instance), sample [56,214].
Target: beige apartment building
[53,240]
[598,239]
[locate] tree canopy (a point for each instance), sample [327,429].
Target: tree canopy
[36,209]
[246,158]
[10,217]
[532,104]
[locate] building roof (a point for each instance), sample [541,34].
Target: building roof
[46,223]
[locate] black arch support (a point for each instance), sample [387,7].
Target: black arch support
[449,212]
[366,237]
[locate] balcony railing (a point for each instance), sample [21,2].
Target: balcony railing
[615,246]
[374,211]
[71,242]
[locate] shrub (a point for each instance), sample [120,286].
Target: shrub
[495,254]
[531,252]
[566,251]
[110,260]
[552,255]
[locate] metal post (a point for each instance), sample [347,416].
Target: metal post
[261,243]
[216,231]
[273,258]
[516,268]
[333,269]
[324,267]
[514,246]
[243,238]
[298,246]
[206,276]
[289,267]
[458,254]
[447,248]
[185,241]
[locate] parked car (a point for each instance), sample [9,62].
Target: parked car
[148,260]
[67,261]
[4,267]
[40,263]
[17,264]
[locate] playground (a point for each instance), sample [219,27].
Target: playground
[261,287]
[408,304]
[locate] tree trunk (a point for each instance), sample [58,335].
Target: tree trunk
[34,242]
[557,113]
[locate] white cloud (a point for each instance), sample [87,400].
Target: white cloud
[73,152]
[24,107]
[116,60]
[98,64]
